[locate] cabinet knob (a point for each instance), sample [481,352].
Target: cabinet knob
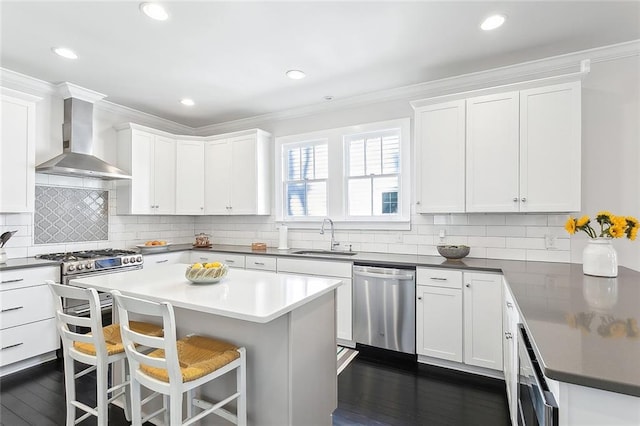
[468,285]
[523,199]
[418,203]
[419,298]
[509,305]
[515,199]
[507,335]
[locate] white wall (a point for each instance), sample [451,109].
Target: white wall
[611,181]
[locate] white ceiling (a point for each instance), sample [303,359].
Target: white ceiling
[230,57]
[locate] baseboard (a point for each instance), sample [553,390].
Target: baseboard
[27,363]
[452,365]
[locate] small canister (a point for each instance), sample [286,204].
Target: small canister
[202,240]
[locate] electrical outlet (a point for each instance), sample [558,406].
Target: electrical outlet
[550,242]
[442,235]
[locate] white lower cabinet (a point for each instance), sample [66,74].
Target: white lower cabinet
[27,319]
[328,269]
[458,317]
[260,263]
[231,259]
[166,258]
[510,320]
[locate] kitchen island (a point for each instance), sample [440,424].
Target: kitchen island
[286,323]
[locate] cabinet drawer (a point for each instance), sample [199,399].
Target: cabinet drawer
[17,278]
[231,259]
[26,341]
[315,267]
[439,277]
[25,305]
[265,263]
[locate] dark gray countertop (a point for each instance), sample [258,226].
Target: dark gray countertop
[26,262]
[584,329]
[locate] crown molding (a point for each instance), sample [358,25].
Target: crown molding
[150,120]
[536,69]
[22,82]
[70,90]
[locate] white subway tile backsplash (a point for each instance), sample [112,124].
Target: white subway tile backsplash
[526,219]
[478,252]
[506,231]
[459,219]
[17,219]
[506,253]
[441,220]
[525,243]
[486,219]
[466,230]
[548,256]
[427,250]
[557,219]
[487,242]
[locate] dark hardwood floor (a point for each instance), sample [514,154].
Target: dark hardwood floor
[370,392]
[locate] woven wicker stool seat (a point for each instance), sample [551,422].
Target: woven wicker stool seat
[113,340]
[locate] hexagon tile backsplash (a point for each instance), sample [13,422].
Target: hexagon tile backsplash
[64,215]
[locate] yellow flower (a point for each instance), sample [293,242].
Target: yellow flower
[570,226]
[616,231]
[633,233]
[604,213]
[620,221]
[632,221]
[582,221]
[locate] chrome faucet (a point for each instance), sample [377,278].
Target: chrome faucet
[334,243]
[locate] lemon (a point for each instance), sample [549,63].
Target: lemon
[197,266]
[216,264]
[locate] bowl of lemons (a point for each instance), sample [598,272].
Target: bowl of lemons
[206,273]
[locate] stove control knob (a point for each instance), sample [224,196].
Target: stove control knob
[133,259]
[71,268]
[89,265]
[125,260]
[139,258]
[80,267]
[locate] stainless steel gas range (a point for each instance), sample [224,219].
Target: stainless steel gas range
[90,263]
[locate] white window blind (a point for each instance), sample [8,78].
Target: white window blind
[373,170]
[305,178]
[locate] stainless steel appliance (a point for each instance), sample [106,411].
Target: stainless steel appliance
[384,308]
[536,404]
[90,263]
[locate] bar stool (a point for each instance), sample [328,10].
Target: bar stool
[99,348]
[178,366]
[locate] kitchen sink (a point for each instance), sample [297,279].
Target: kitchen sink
[326,252]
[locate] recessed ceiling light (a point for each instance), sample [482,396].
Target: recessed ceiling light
[154,11]
[328,98]
[64,52]
[187,102]
[296,74]
[493,22]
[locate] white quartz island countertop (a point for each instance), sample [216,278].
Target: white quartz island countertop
[255,296]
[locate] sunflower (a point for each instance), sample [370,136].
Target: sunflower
[616,231]
[570,226]
[582,221]
[633,233]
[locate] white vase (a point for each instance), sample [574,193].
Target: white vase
[3,255]
[600,293]
[600,258]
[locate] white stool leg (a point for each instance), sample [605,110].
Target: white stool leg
[136,404]
[127,390]
[167,408]
[241,378]
[70,389]
[102,385]
[190,396]
[175,412]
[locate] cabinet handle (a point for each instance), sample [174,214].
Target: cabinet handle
[259,263]
[12,309]
[515,199]
[508,335]
[11,346]
[162,261]
[204,258]
[420,298]
[230,261]
[437,279]
[17,280]
[509,305]
[468,285]
[523,199]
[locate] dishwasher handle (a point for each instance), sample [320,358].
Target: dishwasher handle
[392,274]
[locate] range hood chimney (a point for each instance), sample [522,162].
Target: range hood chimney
[77,158]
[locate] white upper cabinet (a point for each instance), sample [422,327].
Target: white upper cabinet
[237,175]
[440,152]
[151,159]
[492,153]
[17,154]
[516,151]
[190,172]
[550,148]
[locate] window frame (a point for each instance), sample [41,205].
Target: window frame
[337,180]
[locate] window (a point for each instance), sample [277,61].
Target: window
[359,176]
[373,170]
[305,183]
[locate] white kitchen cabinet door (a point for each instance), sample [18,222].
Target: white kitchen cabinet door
[190,166]
[492,153]
[164,181]
[17,155]
[151,159]
[237,175]
[550,147]
[439,322]
[344,309]
[440,157]
[231,259]
[483,329]
[217,177]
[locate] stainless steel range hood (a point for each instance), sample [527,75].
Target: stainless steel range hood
[77,158]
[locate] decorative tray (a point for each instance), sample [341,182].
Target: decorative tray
[150,248]
[206,274]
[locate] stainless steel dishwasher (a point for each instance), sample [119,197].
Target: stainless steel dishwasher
[384,308]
